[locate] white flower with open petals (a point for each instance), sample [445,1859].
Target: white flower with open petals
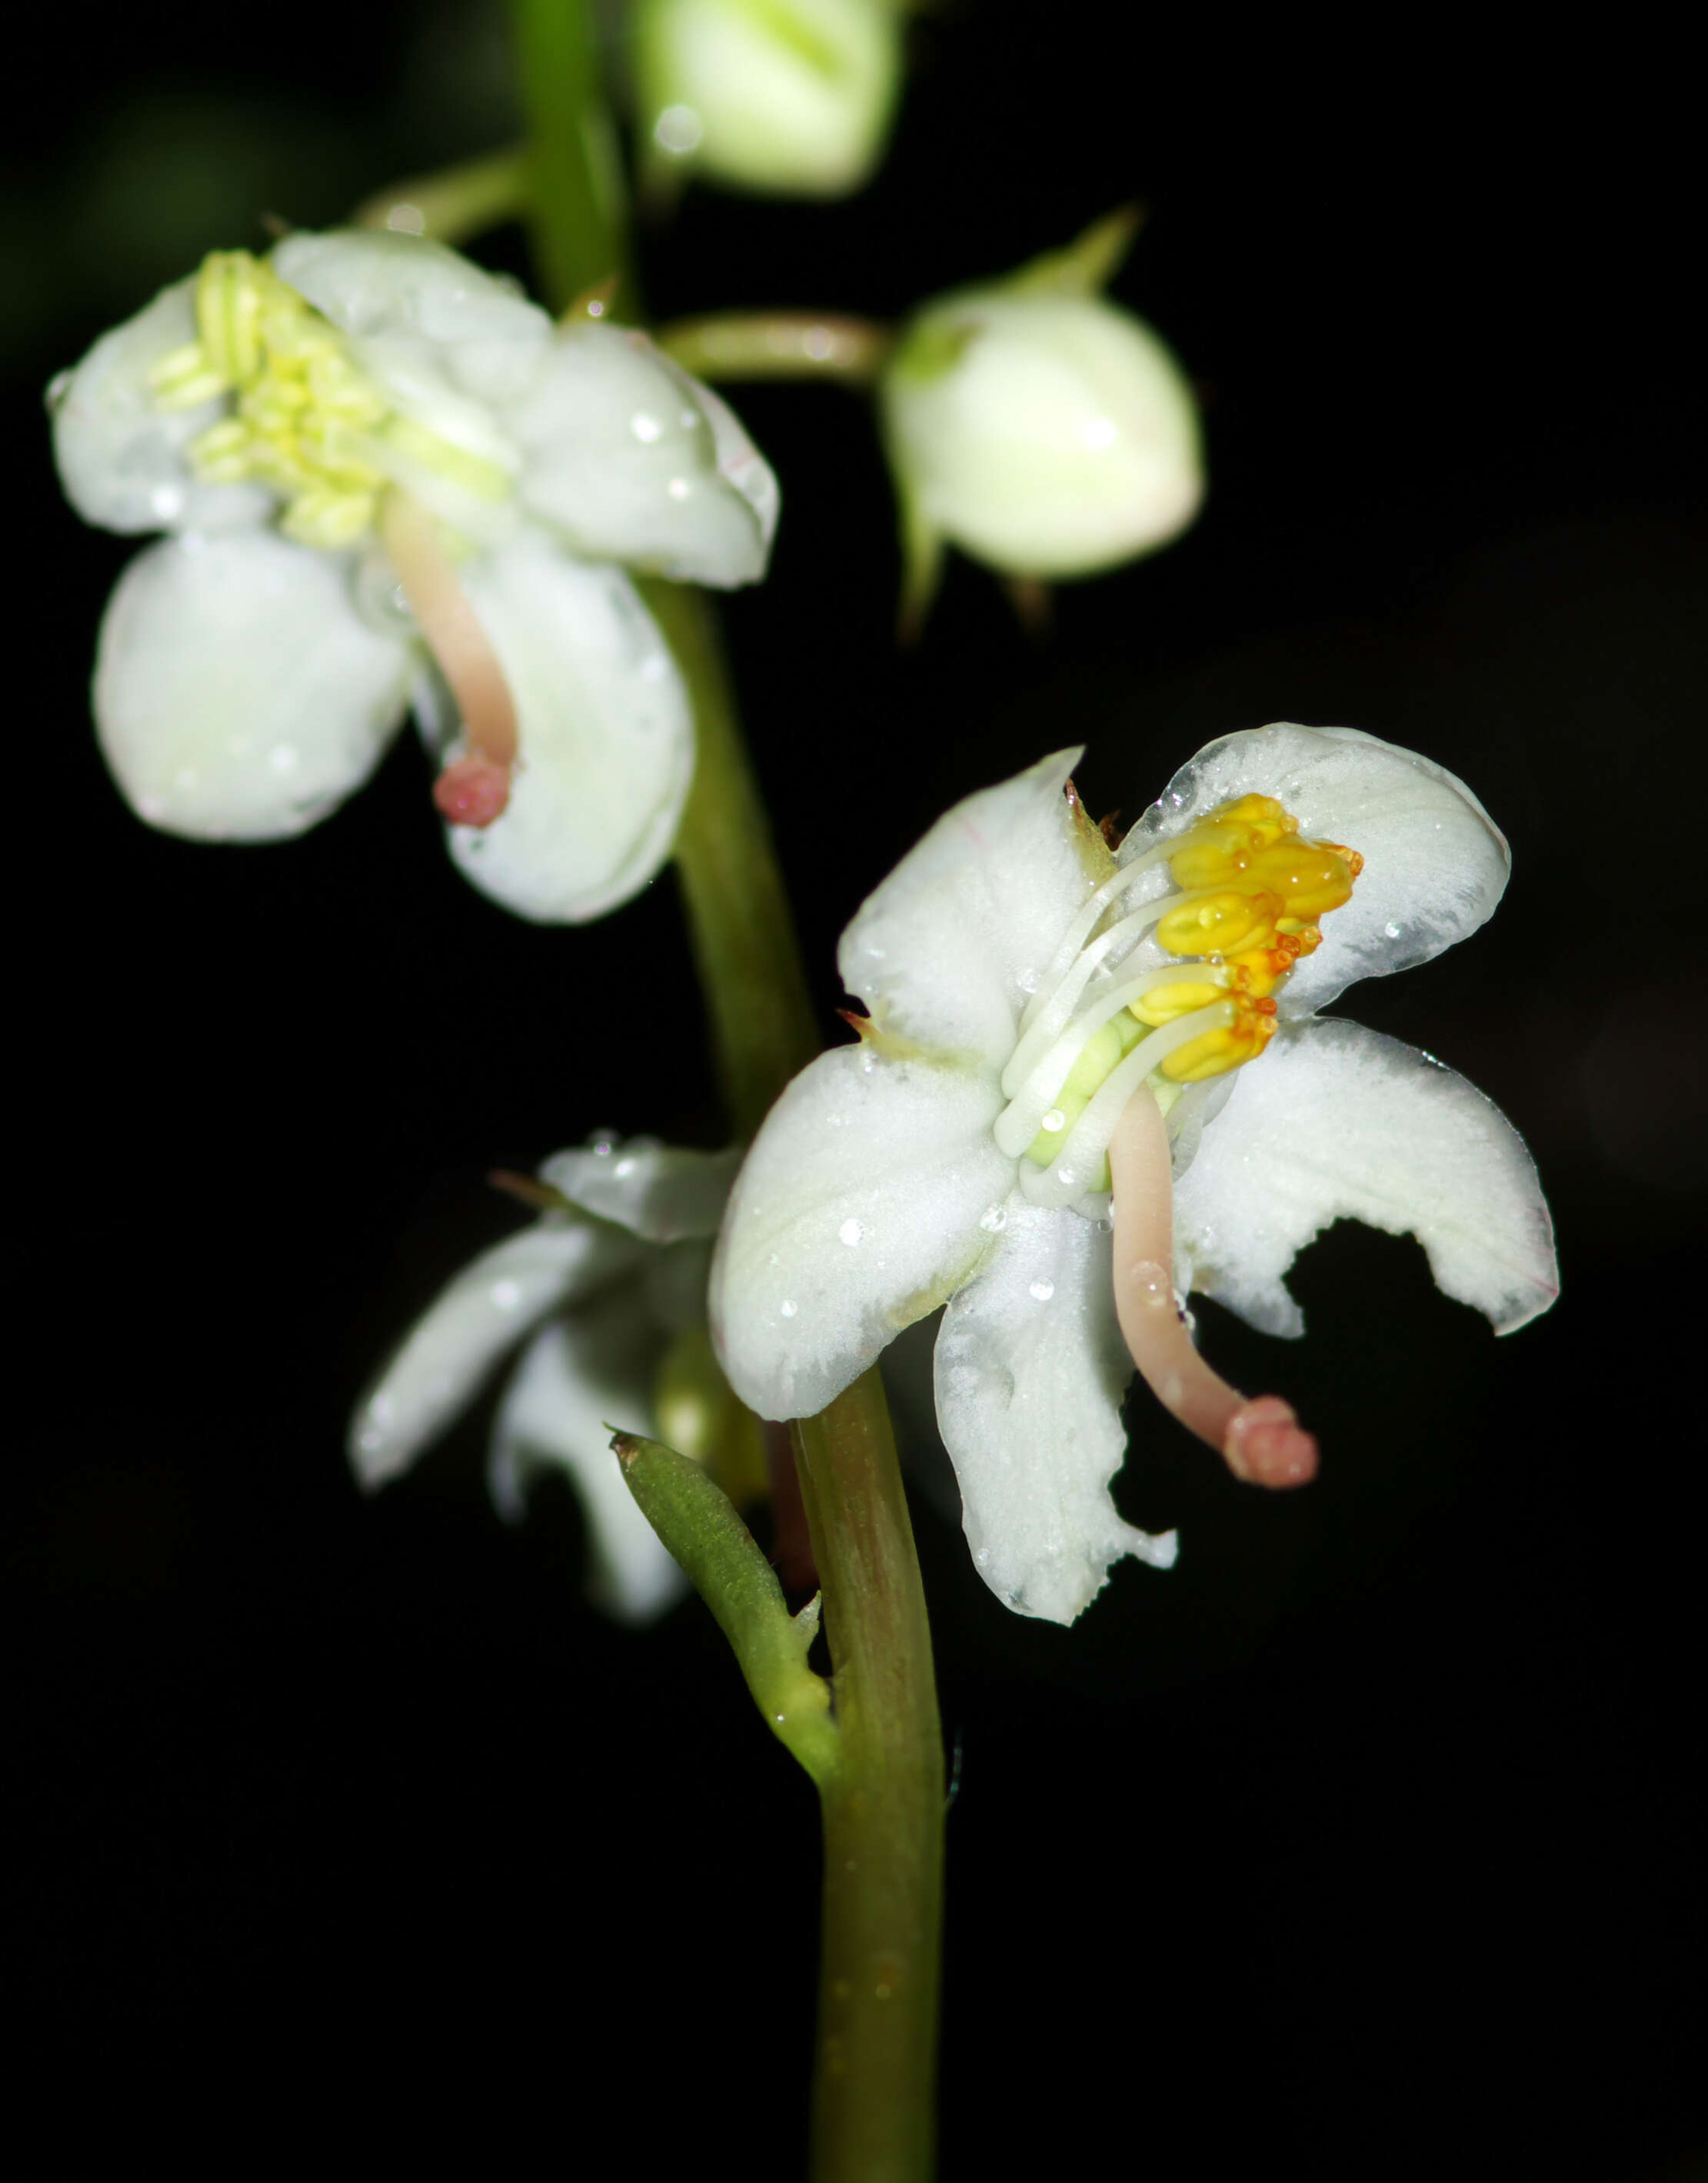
[389,481]
[607,1291]
[1090,1084]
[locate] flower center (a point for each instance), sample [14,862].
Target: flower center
[305,419]
[1176,992]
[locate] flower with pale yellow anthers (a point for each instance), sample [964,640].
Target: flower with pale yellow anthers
[1090,1083]
[389,482]
[607,1290]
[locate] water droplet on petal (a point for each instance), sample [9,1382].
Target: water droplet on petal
[677,129]
[646,429]
[787,1308]
[1054,1120]
[851,1231]
[994,1221]
[1391,929]
[678,488]
[1043,1291]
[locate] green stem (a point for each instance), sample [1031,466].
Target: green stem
[780,345]
[883,1798]
[580,223]
[743,937]
[454,203]
[874,2087]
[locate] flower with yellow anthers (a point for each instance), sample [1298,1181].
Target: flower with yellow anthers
[1090,1083]
[388,482]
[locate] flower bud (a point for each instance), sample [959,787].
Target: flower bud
[792,98]
[1039,427]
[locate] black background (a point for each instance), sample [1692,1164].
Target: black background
[1368,1842]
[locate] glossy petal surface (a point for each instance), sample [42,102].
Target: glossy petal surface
[407,296]
[1334,1123]
[631,460]
[858,1212]
[606,737]
[482,1313]
[239,696]
[1030,1370]
[945,950]
[576,1374]
[1435,864]
[121,457]
[658,1191]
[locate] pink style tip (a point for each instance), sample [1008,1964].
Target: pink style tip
[1266,1445]
[472,791]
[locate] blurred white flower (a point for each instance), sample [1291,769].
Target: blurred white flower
[388,480]
[792,98]
[1039,427]
[1048,1021]
[607,1291]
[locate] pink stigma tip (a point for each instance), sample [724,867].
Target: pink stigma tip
[1265,1445]
[472,791]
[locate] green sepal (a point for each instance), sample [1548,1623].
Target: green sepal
[1088,264]
[698,1524]
[922,559]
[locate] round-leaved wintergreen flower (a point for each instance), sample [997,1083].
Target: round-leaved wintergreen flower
[607,1290]
[389,481]
[1090,1083]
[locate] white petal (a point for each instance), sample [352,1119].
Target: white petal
[1335,1122]
[657,1191]
[946,950]
[579,1373]
[239,696]
[407,295]
[121,457]
[858,1212]
[1435,864]
[1030,1372]
[632,460]
[606,730]
[479,1316]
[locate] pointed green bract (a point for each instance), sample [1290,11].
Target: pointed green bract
[697,1521]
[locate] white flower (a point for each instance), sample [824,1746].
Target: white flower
[608,1292]
[1038,426]
[387,480]
[1037,1009]
[789,97]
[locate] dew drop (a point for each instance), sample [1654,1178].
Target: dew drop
[646,429]
[1054,1120]
[1391,929]
[787,1308]
[1043,1291]
[678,488]
[994,1221]
[851,1231]
[677,129]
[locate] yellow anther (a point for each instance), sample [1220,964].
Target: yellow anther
[1309,876]
[1164,1003]
[1251,1026]
[1220,922]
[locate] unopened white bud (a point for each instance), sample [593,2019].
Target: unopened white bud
[1044,431]
[792,98]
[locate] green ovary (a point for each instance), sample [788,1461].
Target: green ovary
[1105,1050]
